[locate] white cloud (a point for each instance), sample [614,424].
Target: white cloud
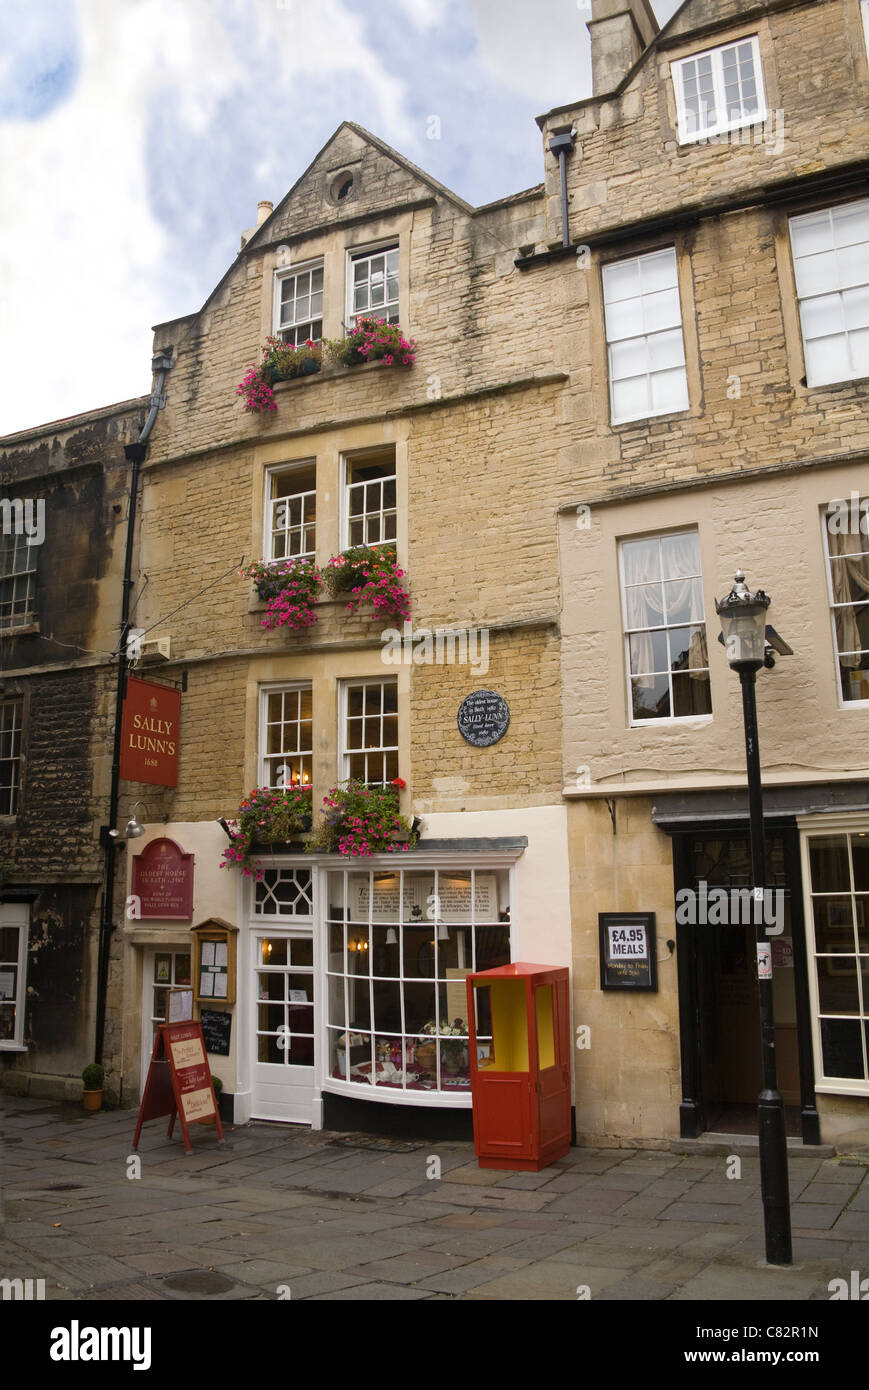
[82,255]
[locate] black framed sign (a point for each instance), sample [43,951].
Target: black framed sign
[216,1030]
[628,950]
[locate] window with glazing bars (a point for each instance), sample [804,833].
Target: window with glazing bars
[665,628]
[371,500]
[17,580]
[831,268]
[300,306]
[292,514]
[11,716]
[286,737]
[374,285]
[370,737]
[719,89]
[644,336]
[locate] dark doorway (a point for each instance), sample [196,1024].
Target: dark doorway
[718,994]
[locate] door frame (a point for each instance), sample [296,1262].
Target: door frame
[693,1109]
[253,926]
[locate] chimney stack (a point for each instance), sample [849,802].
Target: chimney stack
[620,31]
[264,211]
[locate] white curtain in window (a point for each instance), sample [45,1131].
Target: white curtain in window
[850,581]
[646,606]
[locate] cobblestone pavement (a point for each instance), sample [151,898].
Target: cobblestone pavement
[286,1212]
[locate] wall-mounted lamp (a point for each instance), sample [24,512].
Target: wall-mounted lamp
[134,828]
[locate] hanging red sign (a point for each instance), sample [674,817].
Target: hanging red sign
[163,881]
[149,733]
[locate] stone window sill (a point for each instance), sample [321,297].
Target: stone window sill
[330,374]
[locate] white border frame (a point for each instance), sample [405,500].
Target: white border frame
[720,128]
[347,458]
[281,273]
[843,703]
[625,637]
[835,823]
[274,688]
[438,1100]
[391,243]
[650,414]
[272,471]
[17,915]
[799,299]
[344,683]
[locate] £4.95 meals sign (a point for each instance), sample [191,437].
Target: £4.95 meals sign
[149,733]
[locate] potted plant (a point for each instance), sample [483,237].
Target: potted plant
[93,1077]
[280,362]
[371,576]
[217,1086]
[362,820]
[372,340]
[291,589]
[267,816]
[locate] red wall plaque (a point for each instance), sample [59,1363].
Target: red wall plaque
[149,733]
[163,881]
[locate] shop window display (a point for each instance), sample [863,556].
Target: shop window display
[400,946]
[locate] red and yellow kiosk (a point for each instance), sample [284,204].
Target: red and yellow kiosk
[520,1065]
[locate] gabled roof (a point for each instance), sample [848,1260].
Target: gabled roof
[263,232]
[384,149]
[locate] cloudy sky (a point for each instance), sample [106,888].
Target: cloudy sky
[137,136]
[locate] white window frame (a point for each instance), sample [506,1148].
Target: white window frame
[428,865]
[21,582]
[287,272]
[362,253]
[822,826]
[862,514]
[149,1023]
[838,289]
[347,462]
[614,341]
[12,916]
[663,627]
[16,703]
[272,503]
[345,752]
[864,6]
[721,123]
[264,758]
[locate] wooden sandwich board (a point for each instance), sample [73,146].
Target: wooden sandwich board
[179,1082]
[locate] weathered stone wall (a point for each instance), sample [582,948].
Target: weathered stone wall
[60,665]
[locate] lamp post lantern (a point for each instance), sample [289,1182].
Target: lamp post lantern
[743,626]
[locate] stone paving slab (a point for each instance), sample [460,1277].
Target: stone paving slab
[286,1205]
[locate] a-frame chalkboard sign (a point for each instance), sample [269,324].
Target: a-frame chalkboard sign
[179,1082]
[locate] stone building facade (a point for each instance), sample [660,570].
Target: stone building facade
[66,495]
[718,180]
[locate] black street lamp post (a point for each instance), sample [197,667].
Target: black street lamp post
[743,625]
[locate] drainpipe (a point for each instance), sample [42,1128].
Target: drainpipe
[135,455]
[562,145]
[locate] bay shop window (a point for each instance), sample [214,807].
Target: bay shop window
[399,947]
